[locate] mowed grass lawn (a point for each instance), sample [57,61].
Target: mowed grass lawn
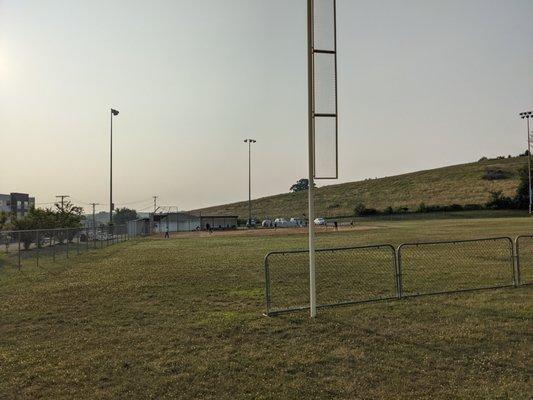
[181,318]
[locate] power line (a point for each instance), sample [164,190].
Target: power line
[62,197]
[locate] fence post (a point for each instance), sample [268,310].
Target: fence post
[78,242]
[67,241]
[399,281]
[512,259]
[53,244]
[517,262]
[19,250]
[267,286]
[38,244]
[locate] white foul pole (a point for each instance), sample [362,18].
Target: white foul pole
[311,212]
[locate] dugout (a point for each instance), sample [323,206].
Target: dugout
[219,222]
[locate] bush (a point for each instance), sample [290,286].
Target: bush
[401,210]
[496,174]
[482,159]
[456,207]
[522,192]
[473,207]
[361,211]
[500,202]
[389,210]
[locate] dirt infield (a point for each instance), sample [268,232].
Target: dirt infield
[267,231]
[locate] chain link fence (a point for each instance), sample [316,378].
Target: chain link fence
[344,276]
[524,259]
[382,272]
[452,266]
[22,247]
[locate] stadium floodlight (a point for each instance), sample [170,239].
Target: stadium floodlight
[322,118]
[111,205]
[250,141]
[527,115]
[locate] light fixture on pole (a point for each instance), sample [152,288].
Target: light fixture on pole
[250,141]
[527,115]
[111,205]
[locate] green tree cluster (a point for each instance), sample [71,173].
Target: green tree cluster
[123,215]
[64,215]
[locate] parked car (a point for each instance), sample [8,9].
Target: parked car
[297,222]
[281,223]
[267,223]
[320,221]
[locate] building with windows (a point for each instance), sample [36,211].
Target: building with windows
[18,204]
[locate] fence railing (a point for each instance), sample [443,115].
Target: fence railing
[383,272]
[20,246]
[346,275]
[524,259]
[452,266]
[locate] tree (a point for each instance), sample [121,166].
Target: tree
[3,219]
[359,209]
[67,215]
[499,202]
[522,192]
[301,185]
[123,215]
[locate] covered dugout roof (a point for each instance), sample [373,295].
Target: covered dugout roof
[219,221]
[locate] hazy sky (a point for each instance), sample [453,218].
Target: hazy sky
[422,84]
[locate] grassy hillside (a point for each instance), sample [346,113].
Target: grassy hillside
[458,184]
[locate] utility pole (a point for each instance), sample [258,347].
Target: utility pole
[111,205]
[62,197]
[250,141]
[94,213]
[152,223]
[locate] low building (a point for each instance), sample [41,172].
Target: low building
[17,204]
[180,222]
[175,222]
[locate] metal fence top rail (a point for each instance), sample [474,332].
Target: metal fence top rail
[528,235]
[301,251]
[491,239]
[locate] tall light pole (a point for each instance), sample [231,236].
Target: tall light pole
[111,205]
[527,115]
[250,141]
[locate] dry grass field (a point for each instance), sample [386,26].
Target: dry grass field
[182,319]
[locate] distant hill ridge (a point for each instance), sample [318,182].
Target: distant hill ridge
[463,184]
